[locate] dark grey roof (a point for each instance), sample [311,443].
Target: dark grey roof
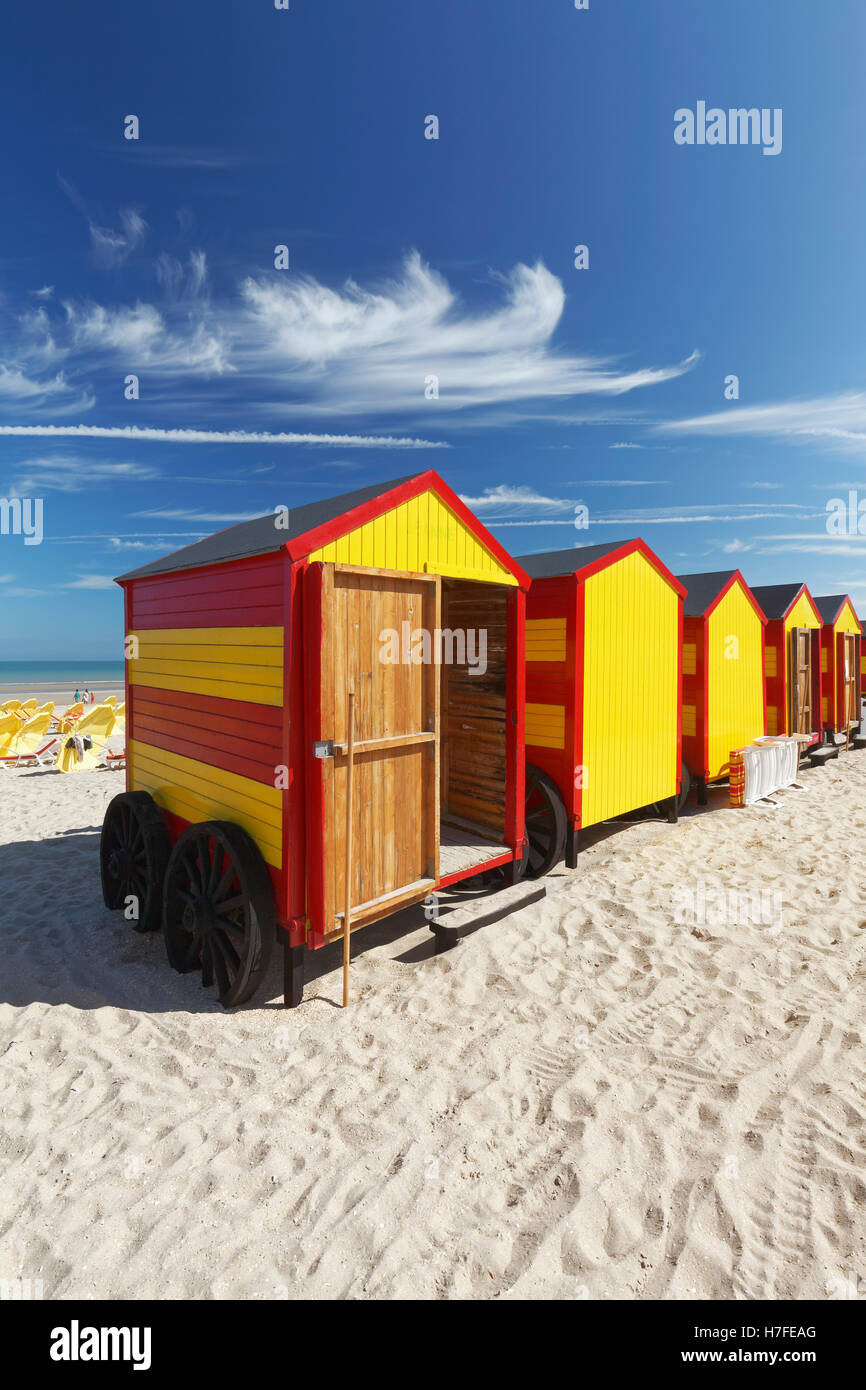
[549,563]
[776,599]
[260,536]
[703,590]
[830,606]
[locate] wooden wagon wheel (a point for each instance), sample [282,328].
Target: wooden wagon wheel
[546,822]
[133,854]
[662,808]
[218,909]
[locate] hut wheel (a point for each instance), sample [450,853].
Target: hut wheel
[218,909]
[133,853]
[685,787]
[546,822]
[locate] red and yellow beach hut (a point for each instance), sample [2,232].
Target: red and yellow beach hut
[840,664]
[243,650]
[603,672]
[724,698]
[792,659]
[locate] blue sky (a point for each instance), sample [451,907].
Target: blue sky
[411,258]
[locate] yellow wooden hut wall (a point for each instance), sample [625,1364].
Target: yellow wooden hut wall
[630,689]
[735,678]
[421,535]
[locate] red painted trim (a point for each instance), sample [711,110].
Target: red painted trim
[316,841]
[679,765]
[764,672]
[736,578]
[577,619]
[302,546]
[460,874]
[515,705]
[294,820]
[636,546]
[795,600]
[127,692]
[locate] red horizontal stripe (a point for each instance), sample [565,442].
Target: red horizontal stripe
[226,756]
[242,616]
[258,718]
[215,579]
[212,733]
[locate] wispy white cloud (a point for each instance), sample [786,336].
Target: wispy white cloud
[624,482]
[357,349]
[111,246]
[294,344]
[90,581]
[838,421]
[71,473]
[506,499]
[181,514]
[150,434]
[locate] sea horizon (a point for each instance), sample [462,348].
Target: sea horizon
[35,675]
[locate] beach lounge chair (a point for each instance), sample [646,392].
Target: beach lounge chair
[81,750]
[10,727]
[67,720]
[9,705]
[28,708]
[32,742]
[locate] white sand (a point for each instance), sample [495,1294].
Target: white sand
[584,1100]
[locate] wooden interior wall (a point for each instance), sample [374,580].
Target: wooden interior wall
[474,724]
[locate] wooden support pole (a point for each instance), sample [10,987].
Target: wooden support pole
[347,912]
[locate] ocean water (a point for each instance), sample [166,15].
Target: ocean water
[57,675]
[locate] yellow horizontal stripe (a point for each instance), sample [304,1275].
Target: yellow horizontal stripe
[267,658]
[229,663]
[197,792]
[770,661]
[221,689]
[545,639]
[689,721]
[208,670]
[545,725]
[689,659]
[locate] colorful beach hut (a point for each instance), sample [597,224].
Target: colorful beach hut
[603,657]
[840,664]
[724,700]
[244,649]
[792,659]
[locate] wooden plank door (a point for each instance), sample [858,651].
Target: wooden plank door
[849,680]
[801,680]
[366,645]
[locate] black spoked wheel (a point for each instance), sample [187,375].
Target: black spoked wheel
[218,909]
[661,808]
[685,788]
[133,854]
[546,822]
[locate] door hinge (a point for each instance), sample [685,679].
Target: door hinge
[324,748]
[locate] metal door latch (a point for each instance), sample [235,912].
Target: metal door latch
[324,748]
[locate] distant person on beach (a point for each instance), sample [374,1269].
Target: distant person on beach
[77,697]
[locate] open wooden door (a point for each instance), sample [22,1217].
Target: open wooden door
[801,680]
[849,680]
[363,633]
